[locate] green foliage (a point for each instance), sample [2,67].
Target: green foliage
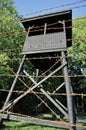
[78,50]
[3,70]
[12,37]
[77,60]
[25,126]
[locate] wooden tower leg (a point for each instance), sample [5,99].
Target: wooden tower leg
[70,105]
[12,87]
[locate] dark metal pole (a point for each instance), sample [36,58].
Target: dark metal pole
[70,105]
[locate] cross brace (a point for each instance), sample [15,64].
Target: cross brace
[70,112]
[47,95]
[30,89]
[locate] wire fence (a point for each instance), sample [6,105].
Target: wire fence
[37,28]
[61,122]
[21,76]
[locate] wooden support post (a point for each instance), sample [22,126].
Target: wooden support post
[12,87]
[68,86]
[45,28]
[14,82]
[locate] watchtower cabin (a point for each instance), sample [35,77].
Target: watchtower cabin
[47,35]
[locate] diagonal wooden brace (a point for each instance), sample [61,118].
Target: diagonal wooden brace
[14,82]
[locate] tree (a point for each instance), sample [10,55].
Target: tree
[11,40]
[12,36]
[77,62]
[78,49]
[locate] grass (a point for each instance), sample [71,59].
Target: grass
[13,125]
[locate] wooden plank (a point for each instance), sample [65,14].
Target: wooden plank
[32,120]
[44,51]
[44,43]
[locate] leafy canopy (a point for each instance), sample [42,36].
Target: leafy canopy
[11,37]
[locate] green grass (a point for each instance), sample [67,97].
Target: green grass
[13,125]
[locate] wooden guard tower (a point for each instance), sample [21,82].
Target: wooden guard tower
[47,40]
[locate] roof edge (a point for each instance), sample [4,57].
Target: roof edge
[45,15]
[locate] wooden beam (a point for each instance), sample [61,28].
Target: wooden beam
[32,120]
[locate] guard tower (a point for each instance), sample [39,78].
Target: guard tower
[47,40]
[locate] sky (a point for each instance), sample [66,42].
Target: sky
[29,8]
